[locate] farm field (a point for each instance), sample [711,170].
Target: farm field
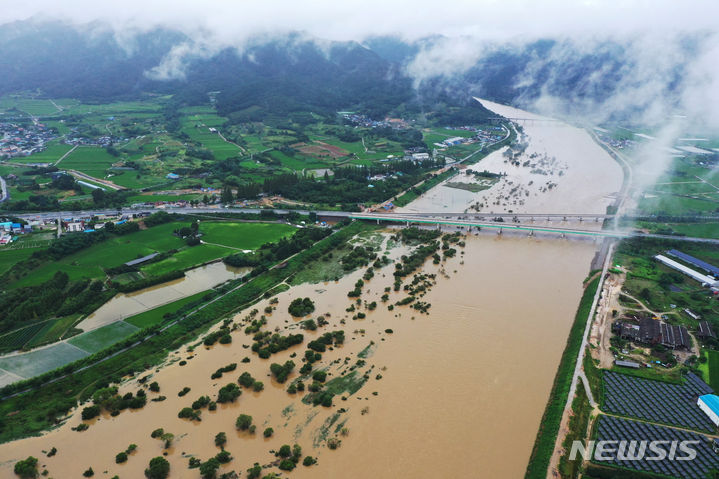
[298,162]
[186,258]
[117,250]
[51,154]
[20,337]
[676,205]
[698,230]
[42,360]
[197,127]
[155,316]
[226,238]
[688,187]
[8,257]
[74,107]
[90,160]
[113,252]
[53,330]
[458,152]
[30,106]
[244,235]
[99,339]
[132,179]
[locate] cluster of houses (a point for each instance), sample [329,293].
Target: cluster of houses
[483,136]
[617,143]
[18,140]
[102,141]
[88,224]
[9,231]
[23,140]
[364,120]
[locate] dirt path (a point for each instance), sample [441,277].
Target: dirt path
[231,142]
[644,307]
[552,470]
[59,108]
[66,154]
[601,330]
[83,176]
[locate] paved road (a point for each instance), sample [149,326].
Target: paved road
[628,177]
[578,371]
[188,210]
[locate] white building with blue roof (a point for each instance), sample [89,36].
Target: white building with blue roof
[709,403]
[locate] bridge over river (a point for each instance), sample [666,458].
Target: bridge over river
[588,222]
[531,229]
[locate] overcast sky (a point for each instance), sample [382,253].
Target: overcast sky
[233,20]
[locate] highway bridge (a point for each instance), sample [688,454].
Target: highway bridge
[499,119]
[501,227]
[344,214]
[52,215]
[514,216]
[510,221]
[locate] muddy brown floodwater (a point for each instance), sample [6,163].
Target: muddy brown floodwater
[583,177]
[458,392]
[195,280]
[461,396]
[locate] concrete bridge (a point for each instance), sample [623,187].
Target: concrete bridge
[502,227]
[510,221]
[525,121]
[514,217]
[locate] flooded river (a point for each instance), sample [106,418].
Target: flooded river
[195,280]
[463,390]
[458,392]
[561,171]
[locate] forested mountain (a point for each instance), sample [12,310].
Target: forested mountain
[278,76]
[286,73]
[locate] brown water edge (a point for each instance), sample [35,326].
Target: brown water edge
[124,305]
[462,394]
